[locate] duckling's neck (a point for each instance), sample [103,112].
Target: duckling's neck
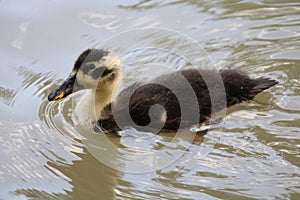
[102,98]
[91,104]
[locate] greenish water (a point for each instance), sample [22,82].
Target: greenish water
[254,156]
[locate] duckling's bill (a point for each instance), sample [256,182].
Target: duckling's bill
[64,90]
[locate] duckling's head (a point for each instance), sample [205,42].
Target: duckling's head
[94,69]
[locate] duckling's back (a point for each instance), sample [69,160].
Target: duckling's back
[186,96]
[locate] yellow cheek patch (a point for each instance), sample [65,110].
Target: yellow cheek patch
[59,96]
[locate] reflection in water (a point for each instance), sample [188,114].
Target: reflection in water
[89,179]
[40,83]
[98,20]
[7,96]
[39,194]
[26,150]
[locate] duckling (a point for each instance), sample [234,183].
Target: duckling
[152,104]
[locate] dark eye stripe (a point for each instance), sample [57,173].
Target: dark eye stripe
[88,68]
[100,72]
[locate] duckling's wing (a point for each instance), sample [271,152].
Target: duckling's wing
[183,98]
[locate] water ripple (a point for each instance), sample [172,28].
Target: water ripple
[100,20]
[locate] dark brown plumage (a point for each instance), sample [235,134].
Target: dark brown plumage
[226,88]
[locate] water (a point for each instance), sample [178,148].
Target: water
[255,154]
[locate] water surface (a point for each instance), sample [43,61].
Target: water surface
[254,155]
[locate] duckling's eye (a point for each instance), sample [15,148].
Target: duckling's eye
[106,72]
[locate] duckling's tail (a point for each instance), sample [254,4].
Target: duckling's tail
[260,84]
[240,87]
